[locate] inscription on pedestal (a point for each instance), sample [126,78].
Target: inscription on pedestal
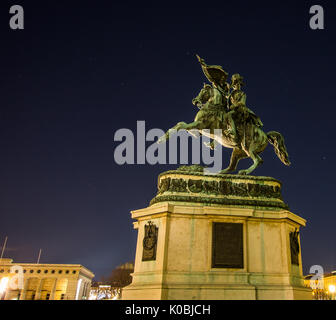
[149,242]
[227,245]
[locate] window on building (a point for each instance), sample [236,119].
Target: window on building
[45,271]
[62,296]
[52,271]
[60,271]
[67,271]
[38,271]
[31,271]
[74,272]
[48,296]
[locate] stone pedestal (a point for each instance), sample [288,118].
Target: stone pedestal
[224,237]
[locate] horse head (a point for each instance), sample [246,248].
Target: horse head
[204,95]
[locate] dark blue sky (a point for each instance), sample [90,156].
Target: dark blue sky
[80,70]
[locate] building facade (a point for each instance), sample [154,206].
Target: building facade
[31,281]
[324,288]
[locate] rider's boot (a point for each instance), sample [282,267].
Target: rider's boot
[232,131]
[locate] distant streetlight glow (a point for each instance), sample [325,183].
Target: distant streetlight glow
[332,288]
[3,285]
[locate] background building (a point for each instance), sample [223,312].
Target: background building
[327,290]
[31,281]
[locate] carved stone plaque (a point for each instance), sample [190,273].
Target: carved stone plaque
[227,245]
[150,242]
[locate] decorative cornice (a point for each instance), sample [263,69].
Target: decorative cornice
[192,186]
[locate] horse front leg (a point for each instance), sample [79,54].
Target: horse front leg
[166,136]
[180,126]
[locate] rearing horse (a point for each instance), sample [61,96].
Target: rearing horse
[251,141]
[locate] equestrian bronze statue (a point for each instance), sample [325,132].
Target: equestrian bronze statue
[222,108]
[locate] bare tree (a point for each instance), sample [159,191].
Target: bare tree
[121,276]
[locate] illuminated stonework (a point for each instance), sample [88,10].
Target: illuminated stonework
[220,237]
[45,281]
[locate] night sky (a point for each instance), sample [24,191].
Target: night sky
[80,70]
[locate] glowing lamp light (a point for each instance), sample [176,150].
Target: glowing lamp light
[3,284]
[332,288]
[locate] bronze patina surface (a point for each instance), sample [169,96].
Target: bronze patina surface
[295,247]
[150,242]
[222,108]
[190,185]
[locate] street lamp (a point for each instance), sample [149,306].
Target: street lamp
[332,290]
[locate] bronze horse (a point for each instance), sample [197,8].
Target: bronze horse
[252,139]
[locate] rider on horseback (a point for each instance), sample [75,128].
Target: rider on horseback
[223,107]
[234,101]
[239,112]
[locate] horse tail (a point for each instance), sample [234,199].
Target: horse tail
[278,141]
